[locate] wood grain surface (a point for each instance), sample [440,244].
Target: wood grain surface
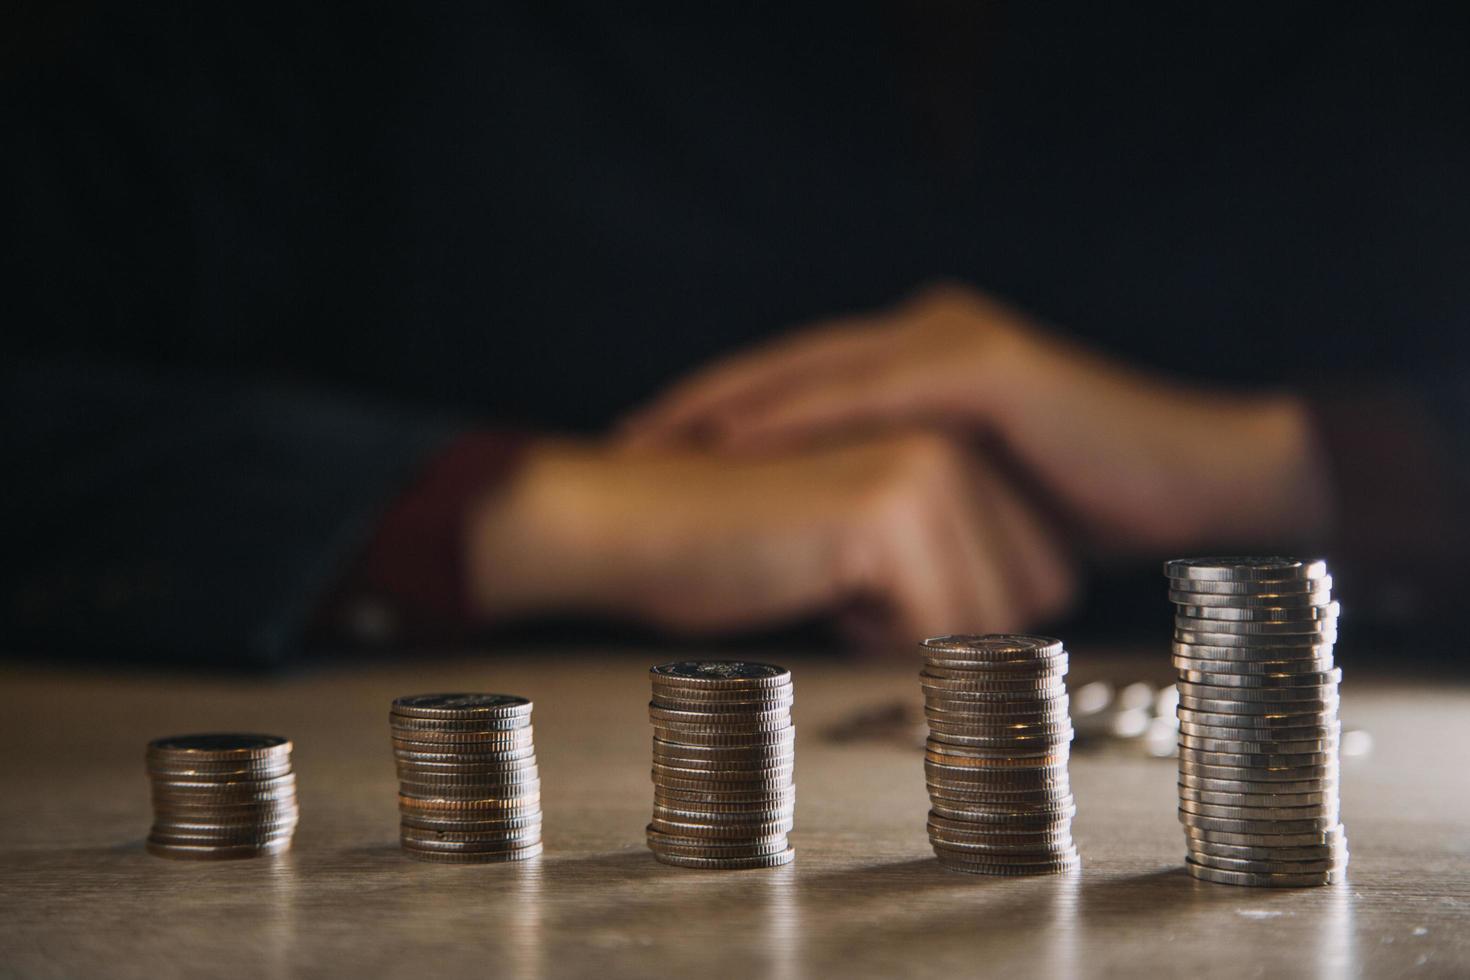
[80,897]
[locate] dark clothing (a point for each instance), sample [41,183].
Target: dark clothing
[260,268]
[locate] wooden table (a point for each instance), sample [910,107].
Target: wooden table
[80,897]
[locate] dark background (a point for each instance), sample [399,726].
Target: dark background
[262,262]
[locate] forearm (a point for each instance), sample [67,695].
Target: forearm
[1154,465]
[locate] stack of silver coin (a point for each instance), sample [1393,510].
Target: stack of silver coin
[221,796]
[996,758]
[724,749]
[469,789]
[1258,723]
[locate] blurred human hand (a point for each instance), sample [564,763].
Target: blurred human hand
[1138,463]
[902,536]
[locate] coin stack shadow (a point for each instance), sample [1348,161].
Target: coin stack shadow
[723,755]
[996,758]
[1258,722]
[221,796]
[469,788]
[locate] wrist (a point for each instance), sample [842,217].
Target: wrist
[1277,488]
[534,545]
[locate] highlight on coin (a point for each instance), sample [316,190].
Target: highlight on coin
[469,786]
[221,796]
[724,796]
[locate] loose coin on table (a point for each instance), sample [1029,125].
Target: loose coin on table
[1258,720]
[469,788]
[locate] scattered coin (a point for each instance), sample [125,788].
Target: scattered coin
[1259,733]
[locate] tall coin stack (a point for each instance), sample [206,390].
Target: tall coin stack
[1258,723]
[469,789]
[996,759]
[723,755]
[221,796]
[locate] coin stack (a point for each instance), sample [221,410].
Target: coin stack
[1258,723]
[221,796]
[469,789]
[723,753]
[996,757]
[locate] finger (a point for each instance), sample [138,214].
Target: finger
[943,577]
[983,586]
[742,377]
[865,396]
[1043,578]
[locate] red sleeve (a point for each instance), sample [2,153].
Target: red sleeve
[409,580]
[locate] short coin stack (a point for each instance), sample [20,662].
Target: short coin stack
[221,796]
[723,755]
[1258,723]
[996,759]
[469,788]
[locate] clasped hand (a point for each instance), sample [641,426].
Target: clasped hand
[941,466]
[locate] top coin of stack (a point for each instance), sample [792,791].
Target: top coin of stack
[1258,722]
[996,759]
[221,796]
[469,787]
[723,755]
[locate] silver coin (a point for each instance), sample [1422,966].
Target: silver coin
[1264,568]
[1317,727]
[1273,568]
[1327,679]
[1335,863]
[734,719]
[1266,668]
[1268,800]
[1013,748]
[1282,828]
[1253,709]
[976,723]
[1203,740]
[942,710]
[1265,880]
[1035,684]
[990,647]
[1227,660]
[719,674]
[1060,842]
[449,706]
[972,790]
[1241,811]
[1256,725]
[1276,694]
[1261,788]
[785,736]
[1279,600]
[1281,774]
[1257,761]
[1262,615]
[1308,839]
[1257,628]
[1265,642]
[1250,589]
[1309,852]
